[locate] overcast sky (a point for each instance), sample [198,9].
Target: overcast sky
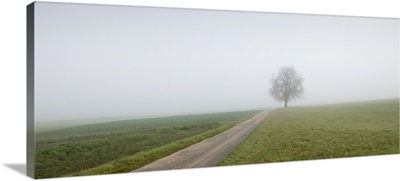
[104,61]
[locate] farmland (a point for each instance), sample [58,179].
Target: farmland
[122,146]
[319,132]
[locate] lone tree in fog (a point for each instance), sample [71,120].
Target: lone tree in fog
[287,85]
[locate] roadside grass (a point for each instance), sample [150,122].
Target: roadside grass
[130,163]
[319,132]
[122,146]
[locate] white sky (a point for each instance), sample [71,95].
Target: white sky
[103,61]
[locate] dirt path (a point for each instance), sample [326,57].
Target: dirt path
[210,151]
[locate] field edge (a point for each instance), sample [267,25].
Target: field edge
[131,163]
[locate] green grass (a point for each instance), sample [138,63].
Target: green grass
[319,132]
[44,126]
[122,146]
[130,163]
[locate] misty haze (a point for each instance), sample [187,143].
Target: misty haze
[118,89]
[101,61]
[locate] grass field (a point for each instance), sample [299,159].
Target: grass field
[44,126]
[319,132]
[122,146]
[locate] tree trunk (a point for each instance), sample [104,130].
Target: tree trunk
[285,103]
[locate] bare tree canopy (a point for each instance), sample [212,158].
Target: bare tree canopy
[287,85]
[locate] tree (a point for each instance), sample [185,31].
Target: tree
[287,85]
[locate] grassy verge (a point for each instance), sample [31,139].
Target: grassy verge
[72,150]
[130,163]
[304,133]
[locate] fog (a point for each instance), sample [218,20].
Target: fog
[105,61]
